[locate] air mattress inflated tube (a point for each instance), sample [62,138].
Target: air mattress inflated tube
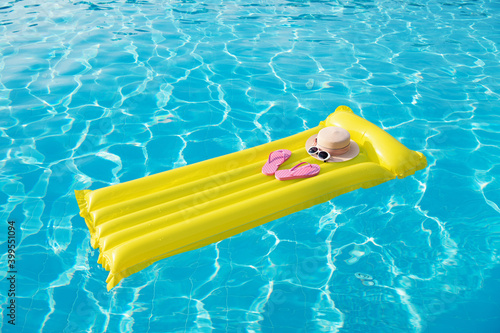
[139,222]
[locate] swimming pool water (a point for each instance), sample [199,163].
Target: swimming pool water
[96,93]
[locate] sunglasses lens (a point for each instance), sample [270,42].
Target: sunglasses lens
[313,150]
[323,155]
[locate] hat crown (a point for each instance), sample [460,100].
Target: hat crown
[333,137]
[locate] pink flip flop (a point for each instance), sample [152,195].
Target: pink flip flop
[276,158]
[309,170]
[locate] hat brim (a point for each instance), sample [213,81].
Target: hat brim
[352,153]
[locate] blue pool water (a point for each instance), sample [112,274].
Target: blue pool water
[96,93]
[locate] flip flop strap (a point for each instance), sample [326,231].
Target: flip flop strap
[282,155]
[295,167]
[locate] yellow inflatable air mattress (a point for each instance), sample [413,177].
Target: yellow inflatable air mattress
[139,222]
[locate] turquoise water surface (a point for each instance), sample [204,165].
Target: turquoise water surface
[97,93]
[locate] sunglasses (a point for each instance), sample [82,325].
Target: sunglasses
[322,155]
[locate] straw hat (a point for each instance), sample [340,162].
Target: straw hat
[336,141]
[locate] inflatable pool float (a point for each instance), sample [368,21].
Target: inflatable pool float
[139,222]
